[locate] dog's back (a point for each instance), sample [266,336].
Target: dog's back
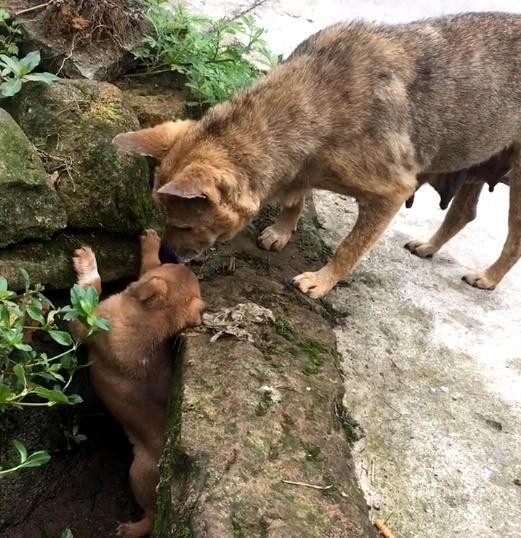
[452,84]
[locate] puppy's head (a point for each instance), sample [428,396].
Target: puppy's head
[198,188]
[172,290]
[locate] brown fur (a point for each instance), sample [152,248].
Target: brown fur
[131,367]
[370,111]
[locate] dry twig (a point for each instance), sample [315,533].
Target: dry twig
[33,8]
[313,486]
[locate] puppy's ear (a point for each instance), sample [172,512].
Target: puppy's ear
[154,141]
[150,291]
[195,181]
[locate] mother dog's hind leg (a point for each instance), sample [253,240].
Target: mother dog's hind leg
[511,252]
[462,210]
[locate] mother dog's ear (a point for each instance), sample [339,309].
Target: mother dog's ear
[150,291]
[195,181]
[154,141]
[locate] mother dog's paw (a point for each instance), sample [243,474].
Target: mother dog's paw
[274,238]
[423,249]
[315,284]
[479,280]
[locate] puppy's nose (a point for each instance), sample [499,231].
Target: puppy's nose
[167,255]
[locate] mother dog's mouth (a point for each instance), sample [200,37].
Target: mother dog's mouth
[167,255]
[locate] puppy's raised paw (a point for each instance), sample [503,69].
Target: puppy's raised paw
[85,266]
[479,280]
[423,249]
[150,239]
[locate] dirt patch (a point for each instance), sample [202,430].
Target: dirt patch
[83,488]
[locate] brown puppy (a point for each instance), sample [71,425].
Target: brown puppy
[359,109]
[132,363]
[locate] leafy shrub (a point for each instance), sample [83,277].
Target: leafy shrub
[215,56]
[10,33]
[29,376]
[15,72]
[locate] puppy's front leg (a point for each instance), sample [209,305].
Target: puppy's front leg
[150,243]
[374,215]
[86,268]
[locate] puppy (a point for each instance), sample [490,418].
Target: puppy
[131,367]
[360,109]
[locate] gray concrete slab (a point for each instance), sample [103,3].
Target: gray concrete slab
[433,366]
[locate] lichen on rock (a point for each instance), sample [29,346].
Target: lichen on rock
[72,123]
[29,206]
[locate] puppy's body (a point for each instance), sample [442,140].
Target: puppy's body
[131,367]
[358,109]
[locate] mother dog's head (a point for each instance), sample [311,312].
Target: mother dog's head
[198,187]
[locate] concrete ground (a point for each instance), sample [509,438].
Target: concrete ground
[433,366]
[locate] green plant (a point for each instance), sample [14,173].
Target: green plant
[314,351]
[217,57]
[10,34]
[25,461]
[37,371]
[284,329]
[17,71]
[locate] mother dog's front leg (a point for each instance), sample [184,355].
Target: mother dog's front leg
[374,215]
[276,236]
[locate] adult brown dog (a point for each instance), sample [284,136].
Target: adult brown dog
[131,367]
[359,109]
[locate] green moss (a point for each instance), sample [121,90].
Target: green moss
[29,206]
[264,405]
[284,329]
[314,352]
[73,124]
[237,530]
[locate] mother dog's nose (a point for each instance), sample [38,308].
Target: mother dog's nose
[167,255]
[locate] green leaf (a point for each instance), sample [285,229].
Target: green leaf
[25,276]
[29,62]
[11,63]
[46,78]
[19,372]
[22,451]
[11,87]
[22,347]
[5,393]
[3,284]
[35,312]
[62,337]
[37,459]
[103,324]
[53,396]
[66,533]
[92,296]
[75,399]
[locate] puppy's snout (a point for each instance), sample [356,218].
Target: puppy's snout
[167,255]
